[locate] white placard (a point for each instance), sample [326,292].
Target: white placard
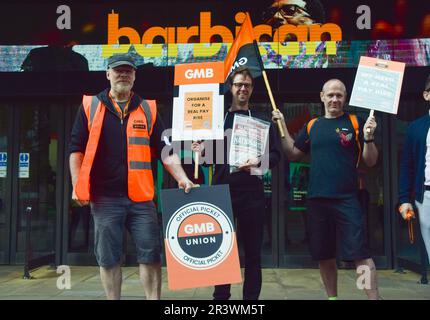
[378,85]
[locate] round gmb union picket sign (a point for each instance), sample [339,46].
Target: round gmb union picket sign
[199,235]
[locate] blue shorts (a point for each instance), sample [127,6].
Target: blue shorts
[111,215]
[330,220]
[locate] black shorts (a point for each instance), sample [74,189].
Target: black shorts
[332,218]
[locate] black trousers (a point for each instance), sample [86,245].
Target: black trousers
[248,210]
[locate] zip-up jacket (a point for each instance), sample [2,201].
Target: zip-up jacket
[413,162]
[110,168]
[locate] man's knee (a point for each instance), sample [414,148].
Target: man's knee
[110,268]
[153,266]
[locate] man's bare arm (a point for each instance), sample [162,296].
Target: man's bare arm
[287,142]
[174,167]
[75,163]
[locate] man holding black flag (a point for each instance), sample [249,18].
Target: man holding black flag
[246,188]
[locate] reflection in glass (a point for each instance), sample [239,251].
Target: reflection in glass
[3,180]
[38,141]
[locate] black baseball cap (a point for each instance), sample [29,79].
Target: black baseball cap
[120,60]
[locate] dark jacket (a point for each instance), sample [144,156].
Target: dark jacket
[412,164]
[109,172]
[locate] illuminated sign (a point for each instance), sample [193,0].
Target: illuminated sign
[207,33]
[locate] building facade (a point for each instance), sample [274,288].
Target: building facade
[41,90]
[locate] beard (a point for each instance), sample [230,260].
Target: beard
[123,87]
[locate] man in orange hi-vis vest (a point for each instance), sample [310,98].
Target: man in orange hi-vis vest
[335,143]
[112,142]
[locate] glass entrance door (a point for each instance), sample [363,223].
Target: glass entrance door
[4,185]
[35,178]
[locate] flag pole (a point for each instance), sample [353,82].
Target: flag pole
[269,91]
[372,112]
[196,165]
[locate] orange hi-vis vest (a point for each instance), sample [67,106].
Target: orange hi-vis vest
[139,129]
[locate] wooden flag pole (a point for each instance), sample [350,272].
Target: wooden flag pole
[269,90]
[196,165]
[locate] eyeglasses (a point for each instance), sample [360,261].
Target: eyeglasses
[239,85]
[285,10]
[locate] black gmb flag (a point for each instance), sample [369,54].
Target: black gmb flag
[244,52]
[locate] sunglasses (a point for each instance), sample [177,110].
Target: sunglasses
[285,10]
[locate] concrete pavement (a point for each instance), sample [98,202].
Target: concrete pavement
[278,284]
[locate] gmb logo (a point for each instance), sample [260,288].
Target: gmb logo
[199,235]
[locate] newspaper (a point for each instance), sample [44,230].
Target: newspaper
[249,139]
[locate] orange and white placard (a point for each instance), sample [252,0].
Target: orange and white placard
[199,237]
[198,102]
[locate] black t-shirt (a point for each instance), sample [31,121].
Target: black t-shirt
[334,154]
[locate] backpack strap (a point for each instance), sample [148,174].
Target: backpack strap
[354,121]
[355,125]
[308,128]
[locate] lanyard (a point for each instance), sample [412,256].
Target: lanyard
[118,108]
[225,117]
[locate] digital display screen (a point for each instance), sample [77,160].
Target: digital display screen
[42,35]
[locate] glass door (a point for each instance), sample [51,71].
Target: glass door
[5,170]
[78,224]
[35,176]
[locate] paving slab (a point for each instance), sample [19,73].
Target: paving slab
[278,284]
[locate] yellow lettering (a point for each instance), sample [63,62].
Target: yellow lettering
[150,50]
[206,49]
[289,48]
[108,49]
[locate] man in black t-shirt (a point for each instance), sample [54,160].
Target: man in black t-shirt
[335,143]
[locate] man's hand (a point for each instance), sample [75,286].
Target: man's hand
[369,128]
[198,146]
[187,184]
[406,208]
[79,202]
[277,115]
[250,163]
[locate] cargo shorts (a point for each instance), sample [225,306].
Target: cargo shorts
[111,216]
